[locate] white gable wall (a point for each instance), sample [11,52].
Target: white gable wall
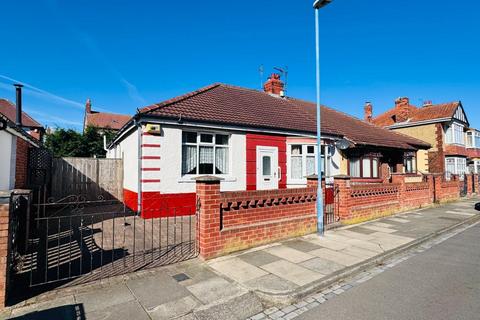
[127,150]
[7,165]
[170,164]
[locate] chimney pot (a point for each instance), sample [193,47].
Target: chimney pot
[274,85]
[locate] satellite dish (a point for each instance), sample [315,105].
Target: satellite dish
[342,144]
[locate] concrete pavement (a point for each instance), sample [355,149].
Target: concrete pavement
[442,283]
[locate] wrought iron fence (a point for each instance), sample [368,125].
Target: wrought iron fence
[78,241]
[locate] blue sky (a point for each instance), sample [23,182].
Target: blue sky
[127,54]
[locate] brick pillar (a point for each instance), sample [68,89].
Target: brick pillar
[475,182]
[343,184]
[385,172]
[4,229]
[208,206]
[469,178]
[438,186]
[400,179]
[312,181]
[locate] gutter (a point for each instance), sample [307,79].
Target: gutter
[218,126]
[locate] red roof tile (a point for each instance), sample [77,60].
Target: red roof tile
[106,120]
[432,112]
[225,104]
[10,111]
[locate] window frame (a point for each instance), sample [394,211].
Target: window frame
[304,155]
[199,144]
[361,159]
[455,134]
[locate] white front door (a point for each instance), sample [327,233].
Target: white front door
[267,168]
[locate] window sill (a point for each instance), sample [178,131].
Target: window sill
[189,179]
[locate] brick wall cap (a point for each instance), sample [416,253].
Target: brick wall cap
[208,179]
[342,177]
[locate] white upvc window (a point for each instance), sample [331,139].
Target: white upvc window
[302,162]
[205,153]
[470,142]
[456,165]
[455,134]
[476,139]
[477,166]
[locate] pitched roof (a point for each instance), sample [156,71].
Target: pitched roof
[106,120]
[226,104]
[9,109]
[432,112]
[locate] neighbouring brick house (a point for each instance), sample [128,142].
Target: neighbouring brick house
[251,139]
[103,120]
[445,126]
[15,144]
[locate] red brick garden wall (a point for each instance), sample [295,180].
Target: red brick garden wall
[358,203]
[232,221]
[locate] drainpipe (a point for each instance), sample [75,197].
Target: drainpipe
[139,195]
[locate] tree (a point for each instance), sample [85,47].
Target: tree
[70,143]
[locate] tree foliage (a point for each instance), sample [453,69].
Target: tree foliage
[70,143]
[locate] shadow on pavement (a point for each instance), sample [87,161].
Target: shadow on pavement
[66,312]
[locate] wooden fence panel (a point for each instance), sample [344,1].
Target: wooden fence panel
[93,178]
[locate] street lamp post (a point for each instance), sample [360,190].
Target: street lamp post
[317,5]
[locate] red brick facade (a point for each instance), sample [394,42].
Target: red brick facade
[436,159]
[21,164]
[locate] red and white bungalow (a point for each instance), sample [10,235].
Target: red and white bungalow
[254,140]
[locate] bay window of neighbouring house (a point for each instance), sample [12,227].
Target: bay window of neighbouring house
[410,164]
[454,134]
[470,143]
[364,167]
[302,161]
[205,153]
[456,165]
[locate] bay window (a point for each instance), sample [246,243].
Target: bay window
[364,167]
[455,134]
[456,165]
[470,143]
[205,153]
[410,163]
[302,161]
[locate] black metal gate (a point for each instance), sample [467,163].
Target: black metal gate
[331,205]
[74,240]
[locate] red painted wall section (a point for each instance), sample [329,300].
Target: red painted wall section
[156,205]
[254,140]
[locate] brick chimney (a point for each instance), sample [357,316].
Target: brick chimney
[274,85]
[88,106]
[368,112]
[402,105]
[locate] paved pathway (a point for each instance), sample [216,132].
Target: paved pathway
[222,288]
[441,284]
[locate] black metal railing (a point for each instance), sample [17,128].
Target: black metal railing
[94,240]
